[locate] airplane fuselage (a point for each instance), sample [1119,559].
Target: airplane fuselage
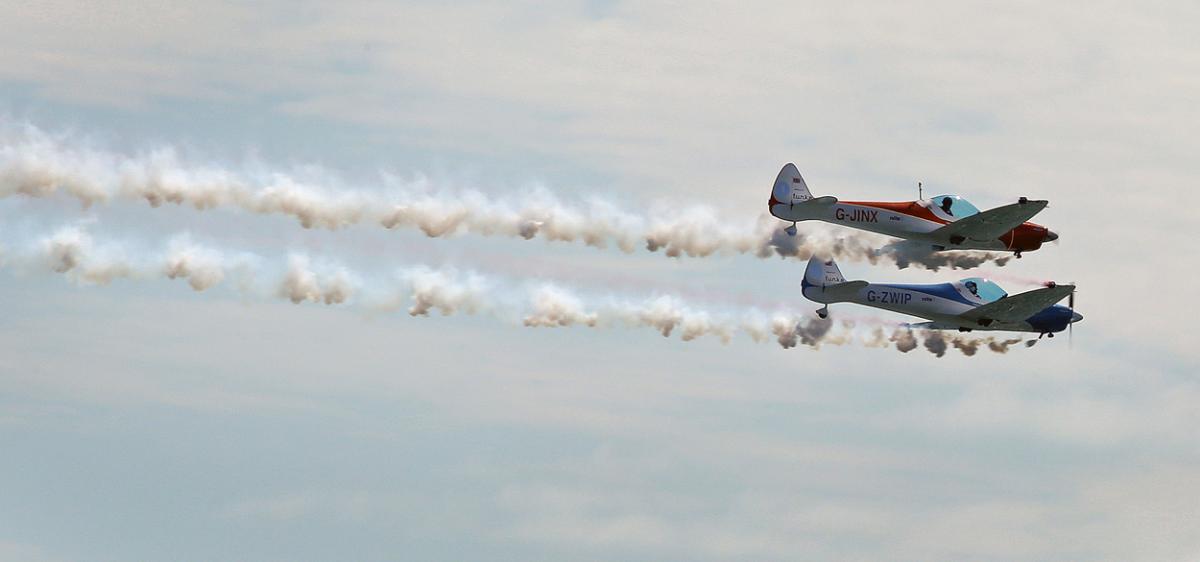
[942,303]
[910,220]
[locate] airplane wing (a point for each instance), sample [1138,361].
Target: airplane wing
[1016,308]
[990,224]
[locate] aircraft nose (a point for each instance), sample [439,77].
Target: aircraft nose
[1050,236]
[1075,317]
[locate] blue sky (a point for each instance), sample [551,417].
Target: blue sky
[143,420]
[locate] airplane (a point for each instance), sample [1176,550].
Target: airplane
[947,222]
[974,303]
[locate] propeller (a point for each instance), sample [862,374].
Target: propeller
[1070,320]
[1071,323]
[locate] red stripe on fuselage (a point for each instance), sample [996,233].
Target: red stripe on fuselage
[1009,239]
[910,208]
[1027,236]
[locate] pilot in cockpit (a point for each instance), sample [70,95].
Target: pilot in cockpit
[946,202]
[971,285]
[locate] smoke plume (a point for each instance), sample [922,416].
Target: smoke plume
[37,164]
[72,252]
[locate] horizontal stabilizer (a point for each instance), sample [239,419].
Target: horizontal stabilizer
[844,291]
[989,224]
[823,282]
[824,200]
[932,326]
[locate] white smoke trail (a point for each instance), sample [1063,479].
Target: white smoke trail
[554,307]
[303,283]
[447,291]
[36,164]
[202,267]
[73,252]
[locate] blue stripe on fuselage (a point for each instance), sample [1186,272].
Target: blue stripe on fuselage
[943,290]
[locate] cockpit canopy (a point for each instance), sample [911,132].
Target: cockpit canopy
[981,289]
[953,206]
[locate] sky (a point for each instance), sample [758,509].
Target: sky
[141,419]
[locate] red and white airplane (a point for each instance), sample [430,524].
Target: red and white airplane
[946,222]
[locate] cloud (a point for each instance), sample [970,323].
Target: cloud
[345,505]
[737,451]
[1094,513]
[13,550]
[1059,409]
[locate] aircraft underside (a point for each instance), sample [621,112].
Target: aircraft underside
[944,323]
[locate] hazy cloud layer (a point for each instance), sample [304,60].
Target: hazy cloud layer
[144,422]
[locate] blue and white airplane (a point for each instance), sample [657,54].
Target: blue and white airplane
[970,304]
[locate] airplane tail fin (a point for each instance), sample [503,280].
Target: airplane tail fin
[822,273]
[823,282]
[789,187]
[792,201]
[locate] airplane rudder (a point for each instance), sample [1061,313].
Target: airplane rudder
[833,274]
[822,272]
[790,186]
